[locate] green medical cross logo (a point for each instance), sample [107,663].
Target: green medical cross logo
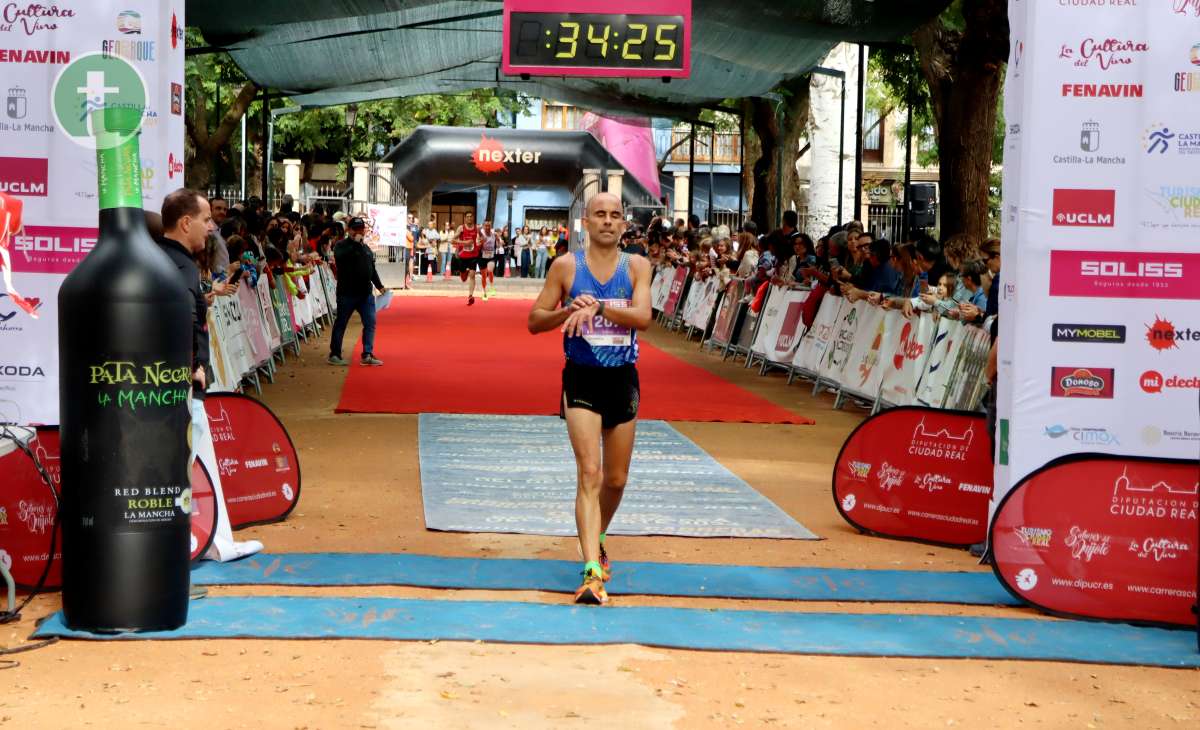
[92,83]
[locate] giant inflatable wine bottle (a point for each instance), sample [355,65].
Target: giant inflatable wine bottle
[125,371]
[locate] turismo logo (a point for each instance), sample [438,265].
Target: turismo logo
[1103,53]
[1084,435]
[1034,537]
[1152,381]
[24,176]
[858,469]
[490,156]
[1081,382]
[1092,208]
[1125,274]
[1113,334]
[1162,334]
[1180,206]
[30,19]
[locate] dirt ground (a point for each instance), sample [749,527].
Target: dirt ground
[361,493]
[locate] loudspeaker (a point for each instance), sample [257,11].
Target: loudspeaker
[922,205]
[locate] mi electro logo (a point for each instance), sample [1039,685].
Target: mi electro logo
[1113,334]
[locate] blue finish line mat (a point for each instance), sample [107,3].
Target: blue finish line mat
[294,617]
[650,579]
[517,474]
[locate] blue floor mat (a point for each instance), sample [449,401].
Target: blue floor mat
[654,579]
[517,474]
[294,617]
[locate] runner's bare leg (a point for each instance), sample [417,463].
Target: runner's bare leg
[618,452]
[583,428]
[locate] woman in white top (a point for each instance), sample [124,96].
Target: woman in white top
[542,240]
[748,248]
[446,247]
[523,253]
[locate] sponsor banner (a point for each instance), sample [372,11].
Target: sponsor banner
[863,375]
[661,287]
[917,473]
[1081,382]
[59,63]
[1123,549]
[259,469]
[387,225]
[28,512]
[837,353]
[910,351]
[1125,275]
[727,314]
[703,304]
[678,279]
[815,345]
[782,324]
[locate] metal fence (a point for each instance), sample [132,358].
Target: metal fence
[886,221]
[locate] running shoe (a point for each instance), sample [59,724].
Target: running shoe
[470,301]
[605,565]
[371,360]
[491,291]
[592,592]
[337,360]
[485,294]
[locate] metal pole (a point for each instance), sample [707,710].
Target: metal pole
[266,155]
[842,154]
[742,163]
[907,162]
[712,153]
[779,164]
[243,195]
[691,171]
[858,147]
[217,161]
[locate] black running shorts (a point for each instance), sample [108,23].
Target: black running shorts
[614,393]
[460,265]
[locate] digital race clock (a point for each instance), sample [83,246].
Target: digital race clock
[623,38]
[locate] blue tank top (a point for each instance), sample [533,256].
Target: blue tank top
[608,345]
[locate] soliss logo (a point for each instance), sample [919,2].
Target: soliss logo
[1145,270]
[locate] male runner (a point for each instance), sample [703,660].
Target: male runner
[605,296]
[467,261]
[489,259]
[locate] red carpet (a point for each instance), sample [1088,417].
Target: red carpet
[444,357]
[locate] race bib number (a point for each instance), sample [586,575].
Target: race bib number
[606,334]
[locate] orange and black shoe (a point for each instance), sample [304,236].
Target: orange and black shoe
[592,592]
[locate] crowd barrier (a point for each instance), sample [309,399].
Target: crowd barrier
[856,349]
[252,331]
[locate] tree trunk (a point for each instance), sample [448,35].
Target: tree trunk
[493,193]
[206,146]
[770,136]
[965,71]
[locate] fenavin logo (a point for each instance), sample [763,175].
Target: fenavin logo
[1091,208]
[90,84]
[1104,333]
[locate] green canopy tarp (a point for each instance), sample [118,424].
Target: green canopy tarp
[325,52]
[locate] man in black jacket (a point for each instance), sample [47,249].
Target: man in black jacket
[187,223]
[355,275]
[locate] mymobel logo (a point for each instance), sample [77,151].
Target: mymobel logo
[490,156]
[1092,208]
[92,83]
[1107,333]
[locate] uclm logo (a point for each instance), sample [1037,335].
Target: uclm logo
[1091,208]
[1125,274]
[24,176]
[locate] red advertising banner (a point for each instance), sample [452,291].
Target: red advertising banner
[260,472]
[918,474]
[681,274]
[1104,537]
[727,313]
[28,510]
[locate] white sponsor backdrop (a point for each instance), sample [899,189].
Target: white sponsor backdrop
[1100,303]
[56,178]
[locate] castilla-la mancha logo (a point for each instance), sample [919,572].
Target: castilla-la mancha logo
[490,156]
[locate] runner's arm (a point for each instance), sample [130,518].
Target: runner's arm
[546,314]
[637,315]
